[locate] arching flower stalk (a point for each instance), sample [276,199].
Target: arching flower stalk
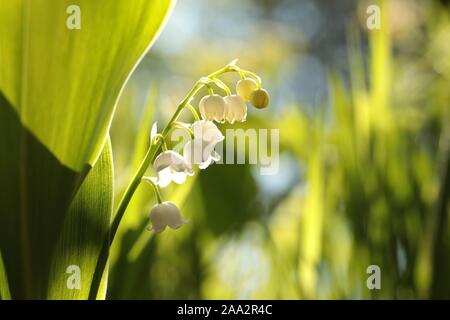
[171,166]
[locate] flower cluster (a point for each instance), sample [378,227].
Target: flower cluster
[199,151]
[233,107]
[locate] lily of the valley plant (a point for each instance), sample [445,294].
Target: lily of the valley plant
[199,151]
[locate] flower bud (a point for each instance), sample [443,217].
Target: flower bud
[164,215]
[259,98]
[236,109]
[245,87]
[212,107]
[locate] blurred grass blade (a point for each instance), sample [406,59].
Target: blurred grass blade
[4,287]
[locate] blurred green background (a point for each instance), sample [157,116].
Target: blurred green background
[364,175]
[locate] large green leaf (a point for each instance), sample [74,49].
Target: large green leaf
[4,286]
[42,231]
[58,91]
[35,193]
[85,228]
[64,83]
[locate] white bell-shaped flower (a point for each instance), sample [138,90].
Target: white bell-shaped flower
[212,107]
[164,215]
[201,153]
[236,109]
[171,166]
[207,131]
[200,150]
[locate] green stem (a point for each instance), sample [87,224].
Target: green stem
[248,73]
[210,89]
[149,157]
[222,86]
[155,188]
[160,137]
[193,111]
[180,126]
[439,244]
